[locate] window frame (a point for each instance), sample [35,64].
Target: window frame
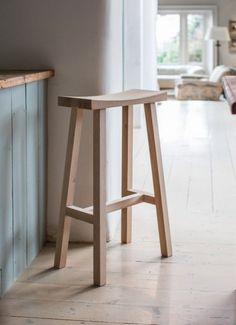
[210,18]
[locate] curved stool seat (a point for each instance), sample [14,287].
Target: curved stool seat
[129,97]
[96,215]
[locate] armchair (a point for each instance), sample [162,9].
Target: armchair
[200,88]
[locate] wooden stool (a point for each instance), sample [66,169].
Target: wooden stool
[96,215]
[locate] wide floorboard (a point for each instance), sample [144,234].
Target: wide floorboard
[194,287]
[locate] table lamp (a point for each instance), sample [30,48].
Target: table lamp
[218,34]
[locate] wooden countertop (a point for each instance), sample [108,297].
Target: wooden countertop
[11,78]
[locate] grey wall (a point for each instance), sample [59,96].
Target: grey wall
[82,41]
[226,11]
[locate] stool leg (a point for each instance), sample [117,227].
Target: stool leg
[158,179]
[127,171]
[99,196]
[68,189]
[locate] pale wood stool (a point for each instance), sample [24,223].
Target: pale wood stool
[96,215]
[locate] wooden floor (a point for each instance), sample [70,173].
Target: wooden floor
[195,286]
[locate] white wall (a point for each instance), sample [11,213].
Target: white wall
[114,83]
[132,43]
[140,44]
[139,48]
[149,9]
[82,41]
[226,11]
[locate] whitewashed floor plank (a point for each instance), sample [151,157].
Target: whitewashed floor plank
[196,286]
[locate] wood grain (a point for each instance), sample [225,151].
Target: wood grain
[158,179]
[68,188]
[99,197]
[129,97]
[127,171]
[79,213]
[13,78]
[147,197]
[122,203]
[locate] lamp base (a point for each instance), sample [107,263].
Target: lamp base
[218,45]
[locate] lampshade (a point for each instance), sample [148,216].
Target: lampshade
[218,33]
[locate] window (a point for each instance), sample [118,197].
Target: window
[196,33]
[180,36]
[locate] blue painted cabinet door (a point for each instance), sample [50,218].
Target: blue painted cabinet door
[42,159]
[19,177]
[6,228]
[22,178]
[32,171]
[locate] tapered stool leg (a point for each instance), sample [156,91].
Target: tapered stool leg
[158,179]
[127,171]
[99,196]
[68,189]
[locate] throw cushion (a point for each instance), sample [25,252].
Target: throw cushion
[196,70]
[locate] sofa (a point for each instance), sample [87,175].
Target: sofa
[202,89]
[167,75]
[229,86]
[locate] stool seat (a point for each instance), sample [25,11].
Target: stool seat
[125,98]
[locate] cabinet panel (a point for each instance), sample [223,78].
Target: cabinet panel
[22,177]
[6,228]
[19,177]
[33,224]
[42,136]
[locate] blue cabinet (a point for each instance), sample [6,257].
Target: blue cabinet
[22,177]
